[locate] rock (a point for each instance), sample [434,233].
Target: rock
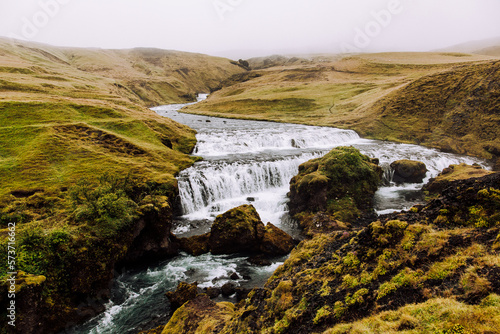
[259,260]
[200,315]
[235,231]
[408,171]
[195,245]
[212,292]
[152,232]
[242,293]
[343,183]
[276,241]
[228,289]
[241,230]
[234,276]
[182,294]
[454,173]
[29,297]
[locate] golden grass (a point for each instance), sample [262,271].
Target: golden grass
[434,316]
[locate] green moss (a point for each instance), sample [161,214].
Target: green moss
[348,178]
[443,269]
[322,314]
[357,297]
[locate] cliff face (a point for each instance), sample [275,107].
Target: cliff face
[77,268]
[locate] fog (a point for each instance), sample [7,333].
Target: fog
[246,28]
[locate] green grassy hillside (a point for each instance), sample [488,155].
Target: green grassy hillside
[67,113]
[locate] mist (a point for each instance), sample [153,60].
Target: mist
[248,28]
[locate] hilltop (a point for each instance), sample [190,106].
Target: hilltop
[444,100]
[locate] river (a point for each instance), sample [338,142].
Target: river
[244,162]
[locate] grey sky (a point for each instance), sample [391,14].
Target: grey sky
[244,28]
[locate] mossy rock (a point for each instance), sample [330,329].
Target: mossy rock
[408,171]
[341,183]
[275,241]
[236,231]
[196,245]
[200,316]
[184,293]
[240,230]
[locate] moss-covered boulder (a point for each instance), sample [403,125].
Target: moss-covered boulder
[275,241]
[184,293]
[408,171]
[241,230]
[237,230]
[342,183]
[199,316]
[454,173]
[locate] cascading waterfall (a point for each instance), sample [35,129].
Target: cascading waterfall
[244,162]
[210,182]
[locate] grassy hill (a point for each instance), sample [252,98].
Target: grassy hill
[66,113]
[87,171]
[375,94]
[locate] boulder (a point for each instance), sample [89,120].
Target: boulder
[408,171]
[212,292]
[184,293]
[235,231]
[228,289]
[275,241]
[241,230]
[200,315]
[342,183]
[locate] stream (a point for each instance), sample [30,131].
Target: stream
[245,162]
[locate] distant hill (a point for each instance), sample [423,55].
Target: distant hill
[443,99]
[490,47]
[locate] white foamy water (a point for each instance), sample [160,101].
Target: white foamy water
[252,162]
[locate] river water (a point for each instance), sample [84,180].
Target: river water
[245,162]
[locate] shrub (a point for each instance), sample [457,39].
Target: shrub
[104,203]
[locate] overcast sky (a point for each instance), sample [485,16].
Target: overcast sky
[245,28]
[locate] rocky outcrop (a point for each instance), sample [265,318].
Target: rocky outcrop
[342,184]
[408,171]
[401,259]
[454,173]
[240,230]
[184,293]
[200,316]
[152,233]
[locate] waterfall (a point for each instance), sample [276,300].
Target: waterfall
[208,182]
